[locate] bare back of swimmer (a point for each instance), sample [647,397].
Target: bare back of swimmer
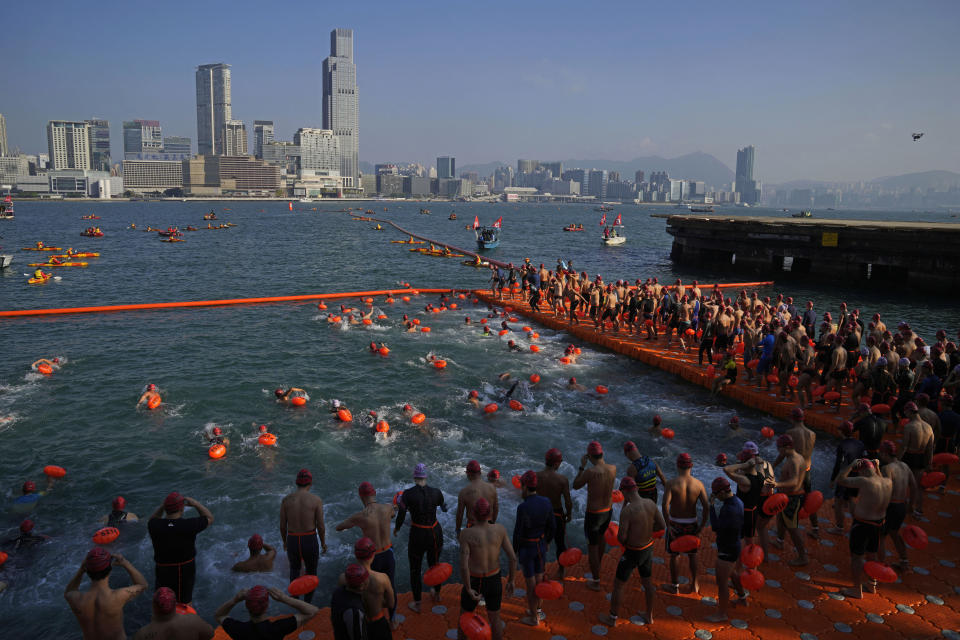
[475,489]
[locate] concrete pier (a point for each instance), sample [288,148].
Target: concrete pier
[921,254]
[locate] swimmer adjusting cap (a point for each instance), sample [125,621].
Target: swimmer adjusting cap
[29,487]
[684,461]
[173,502]
[165,601]
[257,600]
[364,548]
[473,467]
[98,559]
[553,456]
[255,543]
[796,413]
[481,509]
[366,489]
[356,575]
[595,449]
[304,477]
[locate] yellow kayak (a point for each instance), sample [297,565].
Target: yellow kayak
[438,254]
[62,264]
[408,242]
[42,249]
[85,254]
[39,280]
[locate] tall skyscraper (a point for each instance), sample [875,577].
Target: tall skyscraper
[446,167]
[319,149]
[141,136]
[262,134]
[3,136]
[177,144]
[234,138]
[638,177]
[746,184]
[597,183]
[213,107]
[68,144]
[340,112]
[99,144]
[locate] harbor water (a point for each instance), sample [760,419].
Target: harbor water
[220,366]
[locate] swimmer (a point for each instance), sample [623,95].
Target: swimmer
[680,498]
[902,497]
[411,328]
[475,490]
[118,514]
[555,486]
[53,364]
[301,520]
[598,479]
[873,498]
[533,525]
[734,424]
[728,373]
[289,394]
[26,539]
[791,481]
[352,320]
[573,385]
[655,429]
[167,622]
[467,320]
[474,398]
[486,331]
[493,477]
[257,600]
[148,395]
[378,595]
[336,406]
[332,319]
[727,526]
[216,437]
[99,609]
[480,547]
[513,346]
[426,534]
[261,557]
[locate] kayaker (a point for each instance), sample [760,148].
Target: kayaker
[39,274]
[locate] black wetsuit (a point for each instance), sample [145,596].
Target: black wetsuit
[426,536]
[871,433]
[848,450]
[727,526]
[174,552]
[346,615]
[751,500]
[116,518]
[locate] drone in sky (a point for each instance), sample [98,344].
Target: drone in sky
[917,136]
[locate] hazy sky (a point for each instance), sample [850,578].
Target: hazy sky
[825,90]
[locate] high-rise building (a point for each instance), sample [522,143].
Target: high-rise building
[446,167]
[638,177]
[68,144]
[340,96]
[319,149]
[177,144]
[234,138]
[213,107]
[597,183]
[502,178]
[99,144]
[3,136]
[262,134]
[141,136]
[746,184]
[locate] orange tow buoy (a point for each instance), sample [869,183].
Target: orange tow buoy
[3,557]
[54,471]
[751,556]
[515,481]
[383,427]
[406,298]
[811,504]
[503,332]
[440,364]
[534,348]
[515,405]
[153,402]
[602,389]
[915,537]
[752,579]
[417,418]
[367,321]
[880,572]
[570,557]
[943,459]
[44,368]
[383,351]
[610,537]
[217,451]
[475,627]
[298,401]
[321,306]
[775,504]
[617,496]
[267,439]
[534,335]
[106,535]
[667,433]
[564,360]
[932,478]
[303,585]
[438,574]
[534,378]
[767,432]
[344,415]
[389,300]
[549,590]
[425,329]
[685,544]
[526,328]
[491,408]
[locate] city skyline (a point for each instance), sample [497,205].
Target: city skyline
[828,92]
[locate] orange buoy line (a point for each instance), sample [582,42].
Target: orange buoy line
[214,303]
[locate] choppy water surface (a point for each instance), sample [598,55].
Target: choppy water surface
[219,366]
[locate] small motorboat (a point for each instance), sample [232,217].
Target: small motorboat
[612,236]
[210,216]
[573,227]
[92,233]
[452,216]
[90,217]
[802,214]
[425,212]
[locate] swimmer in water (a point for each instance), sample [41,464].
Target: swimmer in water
[261,557]
[655,429]
[352,320]
[216,437]
[411,328]
[336,406]
[486,331]
[148,395]
[513,346]
[734,424]
[26,539]
[474,398]
[286,396]
[467,320]
[573,385]
[53,364]
[493,477]
[118,514]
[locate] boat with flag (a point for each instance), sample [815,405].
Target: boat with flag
[487,237]
[6,208]
[613,235]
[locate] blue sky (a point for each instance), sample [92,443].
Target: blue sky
[826,90]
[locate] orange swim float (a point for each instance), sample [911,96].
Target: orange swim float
[880,409]
[617,496]
[515,481]
[344,415]
[534,335]
[475,627]
[564,360]
[610,536]
[880,572]
[3,557]
[417,418]
[685,544]
[752,579]
[534,348]
[303,585]
[106,535]
[534,378]
[813,501]
[154,402]
[667,433]
[775,504]
[44,368]
[267,439]
[217,451]
[383,351]
[367,321]
[751,556]
[440,364]
[298,401]
[54,471]
[602,389]
[503,332]
[944,459]
[767,432]
[383,427]
[932,478]
[438,574]
[915,537]
[549,590]
[492,408]
[570,557]
[515,405]
[424,329]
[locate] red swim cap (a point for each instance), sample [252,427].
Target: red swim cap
[119,503]
[629,446]
[473,467]
[364,548]
[657,420]
[356,575]
[151,387]
[846,428]
[553,456]
[173,502]
[888,447]
[98,559]
[573,381]
[255,543]
[595,449]
[304,478]
[217,431]
[263,428]
[719,485]
[165,601]
[529,480]
[29,487]
[785,441]
[474,393]
[684,461]
[366,489]
[628,484]
[493,474]
[26,526]
[278,393]
[257,600]
[481,509]
[796,413]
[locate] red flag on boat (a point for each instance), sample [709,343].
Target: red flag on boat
[476,222]
[496,224]
[603,219]
[617,221]
[290,204]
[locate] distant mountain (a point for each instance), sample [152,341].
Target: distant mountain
[692,166]
[937,180]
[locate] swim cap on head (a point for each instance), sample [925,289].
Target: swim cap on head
[151,387]
[257,600]
[217,431]
[173,502]
[846,428]
[923,398]
[366,489]
[553,456]
[657,420]
[888,447]
[751,446]
[263,428]
[98,559]
[595,449]
[904,362]
[304,477]
[529,480]
[863,407]
[864,350]
[420,471]
[684,461]
[493,475]
[278,393]
[474,393]
[119,503]
[629,446]
[473,467]
[336,403]
[785,441]
[627,484]
[511,342]
[255,543]
[26,526]
[165,601]
[29,487]
[573,381]
[882,361]
[356,575]
[407,407]
[796,413]
[735,420]
[911,407]
[481,509]
[744,455]
[364,548]
[719,485]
